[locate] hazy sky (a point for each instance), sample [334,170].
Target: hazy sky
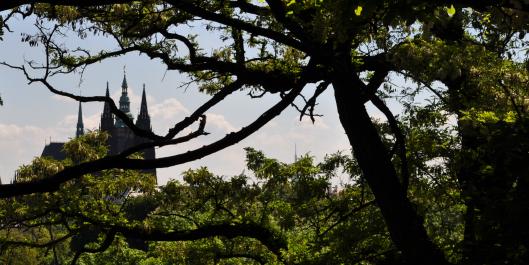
[31,115]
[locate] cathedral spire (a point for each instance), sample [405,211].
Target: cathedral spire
[144,121]
[143,109]
[80,125]
[124,85]
[107,119]
[106,108]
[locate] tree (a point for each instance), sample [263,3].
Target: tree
[282,46]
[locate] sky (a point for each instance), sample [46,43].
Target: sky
[32,116]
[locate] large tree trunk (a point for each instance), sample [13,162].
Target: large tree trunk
[405,226]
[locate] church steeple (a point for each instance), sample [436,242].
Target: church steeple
[124,101]
[124,85]
[144,120]
[107,119]
[80,125]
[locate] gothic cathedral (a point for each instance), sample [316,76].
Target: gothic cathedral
[121,137]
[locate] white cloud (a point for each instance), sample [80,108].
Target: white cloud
[12,131]
[169,109]
[220,122]
[92,122]
[68,121]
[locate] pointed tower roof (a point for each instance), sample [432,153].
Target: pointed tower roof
[124,84]
[106,108]
[107,118]
[124,101]
[80,125]
[144,121]
[144,112]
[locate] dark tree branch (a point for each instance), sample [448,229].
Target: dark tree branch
[109,238]
[376,81]
[311,103]
[400,140]
[271,239]
[160,143]
[238,46]
[190,47]
[267,237]
[249,8]
[218,97]
[279,11]
[196,10]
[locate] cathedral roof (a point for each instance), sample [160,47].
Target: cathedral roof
[54,150]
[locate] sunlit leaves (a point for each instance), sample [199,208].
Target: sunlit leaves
[451,10]
[358,10]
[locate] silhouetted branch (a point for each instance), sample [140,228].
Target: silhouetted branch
[109,238]
[400,140]
[160,143]
[311,103]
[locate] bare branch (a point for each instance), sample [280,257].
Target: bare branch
[311,103]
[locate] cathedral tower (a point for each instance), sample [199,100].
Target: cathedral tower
[144,120]
[107,118]
[124,102]
[121,136]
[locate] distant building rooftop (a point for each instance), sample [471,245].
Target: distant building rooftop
[54,150]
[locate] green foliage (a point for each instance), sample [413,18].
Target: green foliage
[294,200]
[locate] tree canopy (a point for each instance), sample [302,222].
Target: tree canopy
[468,142]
